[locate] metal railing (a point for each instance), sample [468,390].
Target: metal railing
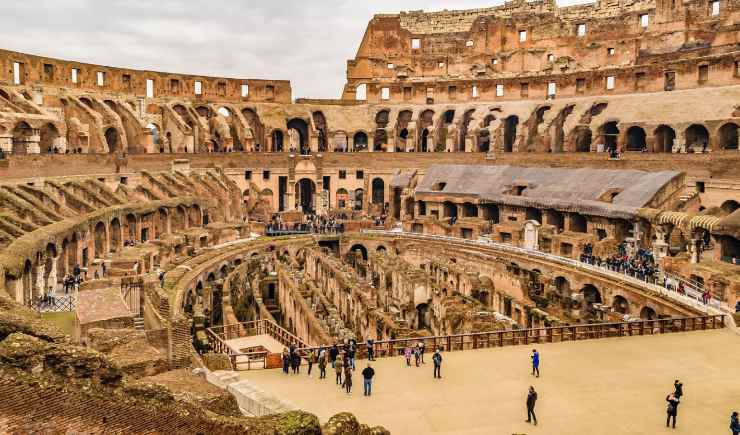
[692,298]
[55,304]
[557,334]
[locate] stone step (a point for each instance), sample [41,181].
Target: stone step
[139,323]
[254,401]
[222,378]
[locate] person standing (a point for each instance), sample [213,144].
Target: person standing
[322,364]
[677,389]
[338,366]
[417,355]
[437,359]
[333,353]
[371,348]
[348,378]
[535,362]
[295,361]
[367,376]
[671,409]
[351,353]
[310,358]
[734,424]
[286,361]
[421,347]
[407,354]
[531,401]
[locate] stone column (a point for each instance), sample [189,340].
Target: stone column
[52,280]
[660,247]
[32,145]
[694,250]
[39,287]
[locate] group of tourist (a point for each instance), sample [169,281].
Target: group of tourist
[641,265]
[312,223]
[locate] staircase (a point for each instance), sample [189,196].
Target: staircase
[139,323]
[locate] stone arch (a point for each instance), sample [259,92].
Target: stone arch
[360,141]
[130,227]
[636,139]
[342,198]
[582,139]
[648,313]
[340,141]
[319,121]
[115,234]
[305,190]
[663,139]
[253,121]
[562,286]
[301,126]
[728,137]
[621,305]
[359,198]
[204,111]
[730,206]
[378,191]
[112,139]
[696,136]
[161,223]
[483,141]
[449,210]
[359,247]
[511,124]
[277,141]
[48,138]
[609,134]
[22,134]
[100,240]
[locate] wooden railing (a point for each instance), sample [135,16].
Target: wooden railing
[219,335]
[481,340]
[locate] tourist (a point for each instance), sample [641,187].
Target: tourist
[417,355]
[348,378]
[531,400]
[421,345]
[367,376]
[333,353]
[407,354]
[338,365]
[535,362]
[734,424]
[737,306]
[671,409]
[351,353]
[322,364]
[437,360]
[309,358]
[286,361]
[371,342]
[678,389]
[295,361]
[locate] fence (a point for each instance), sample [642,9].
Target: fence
[557,334]
[219,335]
[131,292]
[54,304]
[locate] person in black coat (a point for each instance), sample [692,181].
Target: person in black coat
[678,389]
[531,400]
[671,409]
[333,353]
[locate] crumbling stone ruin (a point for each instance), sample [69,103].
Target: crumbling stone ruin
[515,168]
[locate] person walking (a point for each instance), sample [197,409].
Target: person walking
[286,361]
[310,359]
[348,378]
[437,359]
[333,353]
[407,354]
[531,401]
[371,348]
[535,362]
[367,377]
[677,389]
[417,355]
[322,364]
[421,347]
[295,361]
[672,409]
[351,353]
[338,366]
[734,424]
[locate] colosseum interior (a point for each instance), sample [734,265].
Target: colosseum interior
[490,180]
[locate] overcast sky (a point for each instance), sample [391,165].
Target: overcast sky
[307,42]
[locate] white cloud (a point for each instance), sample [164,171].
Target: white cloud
[307,42]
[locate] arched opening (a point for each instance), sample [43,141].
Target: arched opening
[636,139]
[342,198]
[319,121]
[156,139]
[729,206]
[648,313]
[421,316]
[562,286]
[620,305]
[301,127]
[360,141]
[277,141]
[378,191]
[609,135]
[469,210]
[728,136]
[484,141]
[48,137]
[112,138]
[664,138]
[510,126]
[404,118]
[160,224]
[359,198]
[258,130]
[578,223]
[424,141]
[591,296]
[697,137]
[22,134]
[340,142]
[426,120]
[583,140]
[100,240]
[359,248]
[115,235]
[380,140]
[449,210]
[305,190]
